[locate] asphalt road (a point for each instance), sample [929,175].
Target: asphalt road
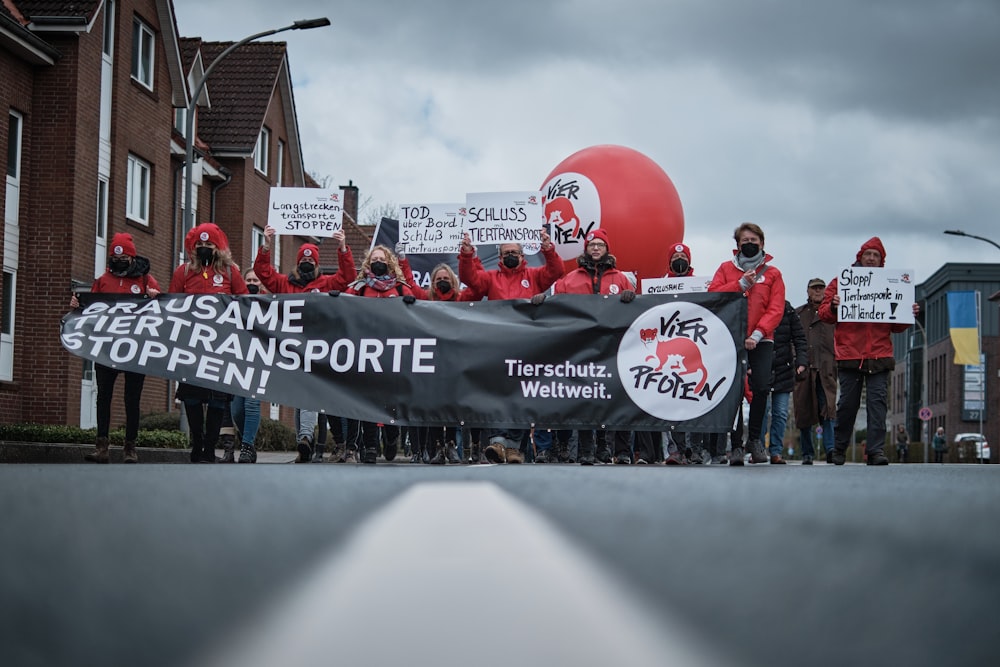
[765,565]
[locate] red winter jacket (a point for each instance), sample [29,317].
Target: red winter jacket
[588,280]
[425,295]
[137,281]
[188,280]
[521,283]
[765,299]
[279,283]
[859,341]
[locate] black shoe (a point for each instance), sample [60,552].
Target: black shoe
[207,456]
[736,456]
[587,460]
[438,458]
[807,460]
[604,455]
[837,457]
[829,457]
[757,452]
[451,453]
[317,455]
[545,456]
[877,459]
[248,454]
[623,460]
[305,451]
[370,456]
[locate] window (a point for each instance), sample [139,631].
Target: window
[261,152]
[257,240]
[14,148]
[109,28]
[142,53]
[9,294]
[180,121]
[281,163]
[137,193]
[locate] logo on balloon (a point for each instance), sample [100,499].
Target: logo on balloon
[677,361]
[572,210]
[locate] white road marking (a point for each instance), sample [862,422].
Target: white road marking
[460,574]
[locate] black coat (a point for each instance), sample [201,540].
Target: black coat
[791,350]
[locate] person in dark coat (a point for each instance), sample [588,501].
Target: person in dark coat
[815,395]
[790,357]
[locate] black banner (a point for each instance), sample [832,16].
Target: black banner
[573,361]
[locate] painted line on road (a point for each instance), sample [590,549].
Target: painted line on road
[460,574]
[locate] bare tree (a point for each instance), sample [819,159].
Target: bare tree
[371,214]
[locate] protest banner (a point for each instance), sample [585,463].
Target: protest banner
[577,361]
[305,211]
[426,229]
[875,295]
[678,285]
[504,217]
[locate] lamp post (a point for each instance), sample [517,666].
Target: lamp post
[959,232]
[193,103]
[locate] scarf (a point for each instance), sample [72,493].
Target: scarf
[747,263]
[379,283]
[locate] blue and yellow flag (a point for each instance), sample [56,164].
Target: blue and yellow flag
[963,323]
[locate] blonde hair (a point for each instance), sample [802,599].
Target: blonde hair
[223,261]
[452,278]
[390,259]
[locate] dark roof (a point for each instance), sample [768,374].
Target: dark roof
[189,49]
[33,9]
[240,90]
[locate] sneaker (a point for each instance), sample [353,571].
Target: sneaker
[545,456]
[587,460]
[248,454]
[829,457]
[807,460]
[700,456]
[513,455]
[604,455]
[624,460]
[673,459]
[370,456]
[641,462]
[317,456]
[878,459]
[438,458]
[416,458]
[757,452]
[736,456]
[496,452]
[837,457]
[719,460]
[351,456]
[305,451]
[777,460]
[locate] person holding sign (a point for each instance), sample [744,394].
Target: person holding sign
[306,276]
[209,270]
[127,273]
[750,272]
[380,278]
[864,361]
[513,279]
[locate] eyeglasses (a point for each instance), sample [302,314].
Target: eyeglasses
[512,253]
[597,244]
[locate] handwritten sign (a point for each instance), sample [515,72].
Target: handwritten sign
[504,217]
[430,228]
[875,295]
[306,211]
[679,285]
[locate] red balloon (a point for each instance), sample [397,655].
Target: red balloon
[623,192]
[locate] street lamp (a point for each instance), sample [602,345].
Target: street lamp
[193,103]
[959,232]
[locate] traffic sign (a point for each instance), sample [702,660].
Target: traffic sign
[924,414]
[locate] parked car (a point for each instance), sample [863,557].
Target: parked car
[963,440]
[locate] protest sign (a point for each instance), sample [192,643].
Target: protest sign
[576,361]
[305,211]
[678,285]
[875,295]
[426,229]
[504,217]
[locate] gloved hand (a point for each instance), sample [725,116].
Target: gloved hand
[409,299]
[334,292]
[400,250]
[627,296]
[538,299]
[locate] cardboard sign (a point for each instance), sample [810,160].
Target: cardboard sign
[504,217]
[427,229]
[679,285]
[875,295]
[305,211]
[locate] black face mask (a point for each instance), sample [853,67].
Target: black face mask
[443,286]
[749,250]
[307,269]
[511,261]
[205,255]
[680,266]
[253,289]
[119,267]
[380,268]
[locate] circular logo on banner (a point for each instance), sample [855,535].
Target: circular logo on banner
[677,361]
[572,211]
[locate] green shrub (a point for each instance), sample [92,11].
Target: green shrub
[53,433]
[273,436]
[161,421]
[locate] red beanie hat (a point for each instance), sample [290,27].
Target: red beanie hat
[206,231]
[680,247]
[599,235]
[122,244]
[308,250]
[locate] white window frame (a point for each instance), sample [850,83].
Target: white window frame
[12,235]
[139,176]
[281,163]
[262,151]
[143,53]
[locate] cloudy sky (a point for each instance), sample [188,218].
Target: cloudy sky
[824,122]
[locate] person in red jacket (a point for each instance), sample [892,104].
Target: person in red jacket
[864,359]
[750,272]
[680,262]
[513,279]
[127,273]
[306,276]
[209,270]
[380,278]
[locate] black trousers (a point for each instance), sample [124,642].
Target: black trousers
[105,390]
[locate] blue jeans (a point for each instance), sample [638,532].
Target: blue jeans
[305,424]
[246,416]
[543,439]
[777,407]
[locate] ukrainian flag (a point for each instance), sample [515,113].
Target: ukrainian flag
[963,322]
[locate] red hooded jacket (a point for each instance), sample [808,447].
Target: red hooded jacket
[278,283]
[765,298]
[522,282]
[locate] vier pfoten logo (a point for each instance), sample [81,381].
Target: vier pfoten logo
[677,361]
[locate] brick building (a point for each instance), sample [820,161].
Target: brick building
[95,94]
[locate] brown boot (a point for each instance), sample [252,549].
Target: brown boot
[100,453]
[514,455]
[129,455]
[495,452]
